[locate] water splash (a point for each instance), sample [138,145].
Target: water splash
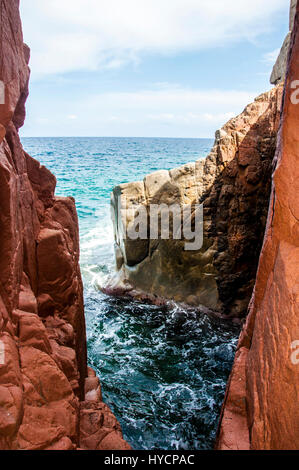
[163,370]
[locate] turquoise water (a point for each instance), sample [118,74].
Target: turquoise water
[163,370]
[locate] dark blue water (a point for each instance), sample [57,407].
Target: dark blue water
[163,370]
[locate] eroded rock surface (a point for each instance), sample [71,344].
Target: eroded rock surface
[261,406]
[233,183]
[48,397]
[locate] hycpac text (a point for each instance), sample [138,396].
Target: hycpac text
[151,459]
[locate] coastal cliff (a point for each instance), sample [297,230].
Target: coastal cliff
[233,183]
[49,398]
[261,407]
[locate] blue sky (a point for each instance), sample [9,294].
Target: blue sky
[172,68]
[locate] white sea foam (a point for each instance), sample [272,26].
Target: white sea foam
[97,252]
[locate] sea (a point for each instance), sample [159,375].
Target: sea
[163,370]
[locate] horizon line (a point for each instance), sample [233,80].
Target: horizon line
[109,137]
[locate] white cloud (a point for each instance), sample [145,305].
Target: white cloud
[219,117]
[67,35]
[191,118]
[270,57]
[166,111]
[168,102]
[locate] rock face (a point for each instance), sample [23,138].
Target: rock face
[48,397]
[261,406]
[280,67]
[233,183]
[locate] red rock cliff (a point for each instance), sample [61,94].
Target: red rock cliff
[261,404]
[49,399]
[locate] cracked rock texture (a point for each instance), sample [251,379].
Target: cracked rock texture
[233,183]
[49,399]
[261,406]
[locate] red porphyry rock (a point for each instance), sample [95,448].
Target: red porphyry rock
[266,379]
[44,376]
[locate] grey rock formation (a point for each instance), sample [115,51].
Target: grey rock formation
[292,13]
[280,67]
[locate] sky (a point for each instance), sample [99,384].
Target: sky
[147,68]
